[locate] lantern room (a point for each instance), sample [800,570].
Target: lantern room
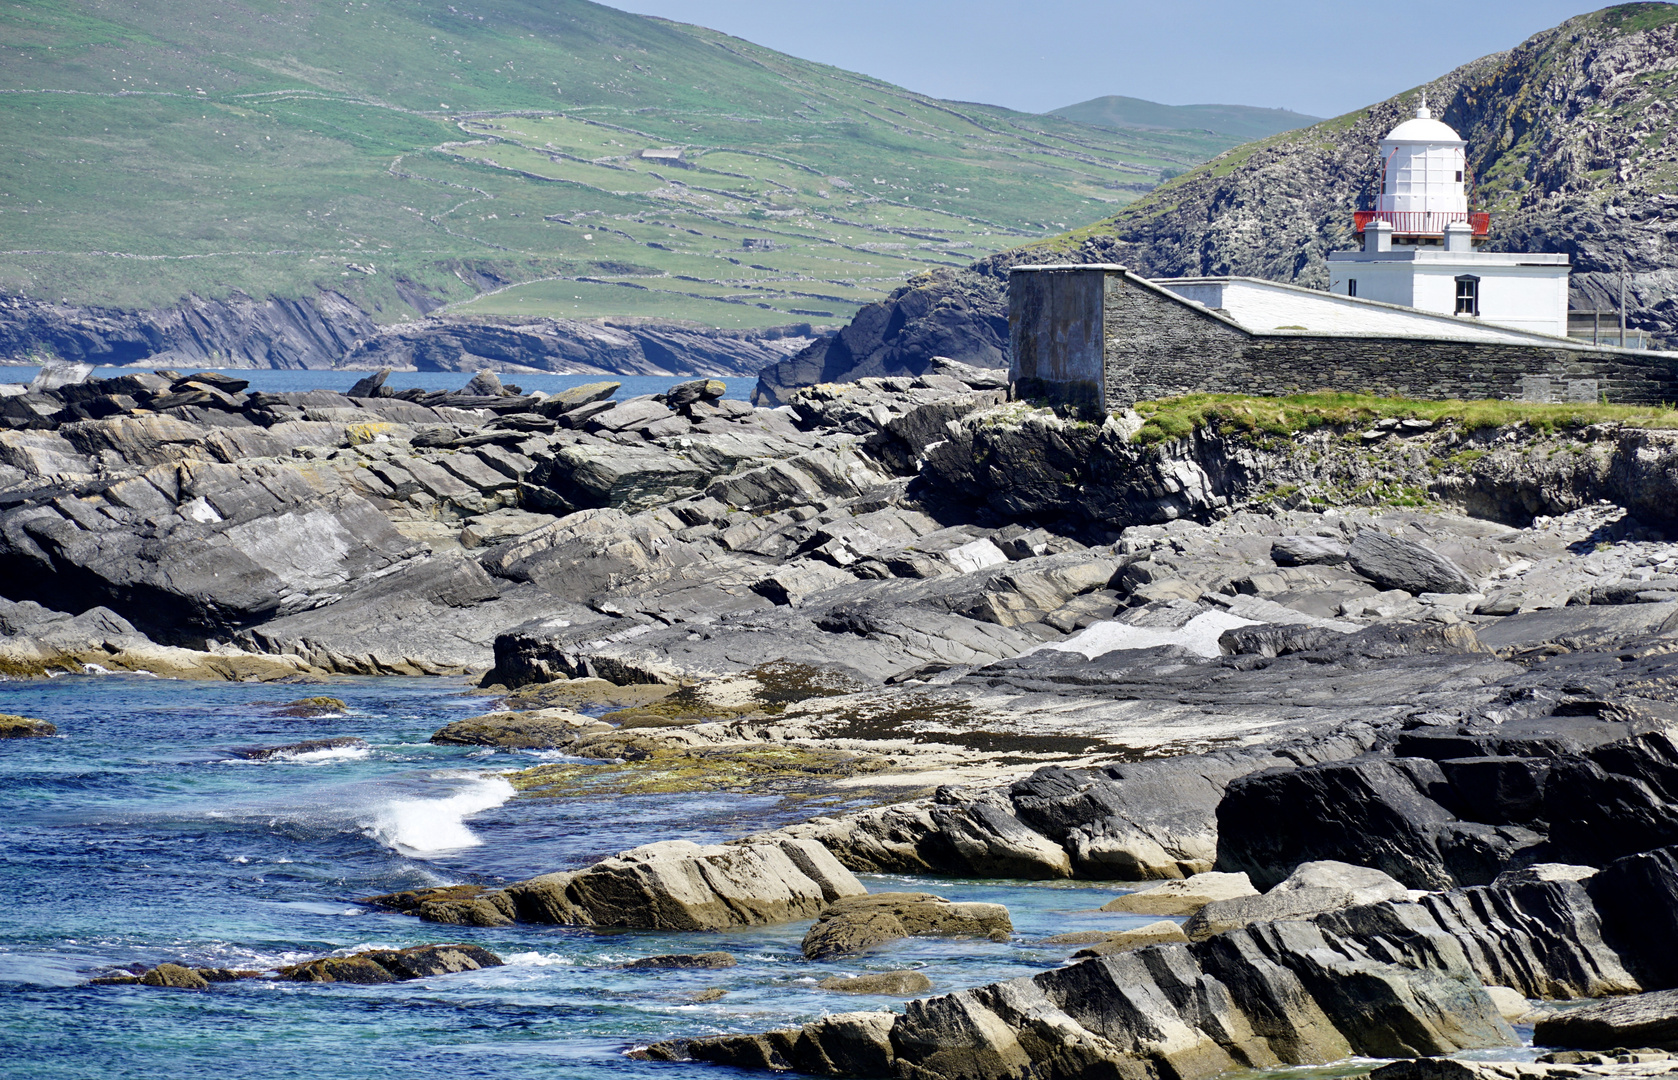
[1424,183]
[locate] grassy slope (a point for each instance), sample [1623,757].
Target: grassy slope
[165,147]
[1241,121]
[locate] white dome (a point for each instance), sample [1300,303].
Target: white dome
[1423,129]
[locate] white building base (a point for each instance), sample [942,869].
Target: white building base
[1522,292]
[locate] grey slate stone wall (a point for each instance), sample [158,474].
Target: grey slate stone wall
[1155,344]
[1159,346]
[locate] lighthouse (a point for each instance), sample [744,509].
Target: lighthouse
[1419,242]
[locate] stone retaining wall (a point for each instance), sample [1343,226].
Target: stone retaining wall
[1156,344]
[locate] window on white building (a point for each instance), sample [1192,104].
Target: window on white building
[1351,286]
[1468,295]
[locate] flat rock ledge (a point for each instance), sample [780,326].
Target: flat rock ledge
[364,968]
[900,984]
[672,885]
[535,729]
[860,922]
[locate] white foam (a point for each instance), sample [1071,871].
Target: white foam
[428,826]
[538,959]
[327,756]
[1199,635]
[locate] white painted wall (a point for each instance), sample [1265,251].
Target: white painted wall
[1523,297]
[1384,282]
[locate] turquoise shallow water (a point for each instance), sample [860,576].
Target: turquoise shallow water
[139,837]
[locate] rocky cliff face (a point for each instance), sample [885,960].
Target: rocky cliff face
[328,330]
[1570,138]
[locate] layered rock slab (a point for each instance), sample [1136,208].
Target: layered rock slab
[671,885]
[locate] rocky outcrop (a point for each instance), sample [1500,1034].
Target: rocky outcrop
[1639,1020]
[854,923]
[239,331]
[1388,979]
[13,726]
[393,965]
[958,315]
[1185,896]
[1313,888]
[329,330]
[899,984]
[308,746]
[569,346]
[671,885]
[1629,1065]
[536,729]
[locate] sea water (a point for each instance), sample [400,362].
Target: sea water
[139,836]
[283,381]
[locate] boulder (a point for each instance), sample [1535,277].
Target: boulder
[1312,888]
[578,396]
[709,960]
[314,706]
[175,977]
[677,885]
[536,729]
[23,727]
[1639,1020]
[1184,896]
[484,384]
[370,386]
[844,1044]
[1404,564]
[900,984]
[1164,932]
[860,922]
[1307,550]
[393,965]
[1381,812]
[698,390]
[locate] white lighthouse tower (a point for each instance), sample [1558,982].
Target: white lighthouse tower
[1418,243]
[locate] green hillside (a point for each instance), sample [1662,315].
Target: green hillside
[1242,122]
[411,153]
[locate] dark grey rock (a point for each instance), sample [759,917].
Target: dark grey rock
[1639,1020]
[1307,550]
[1404,564]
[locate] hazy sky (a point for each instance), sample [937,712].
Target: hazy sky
[1313,56]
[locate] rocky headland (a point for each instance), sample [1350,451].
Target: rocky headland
[1385,700]
[329,330]
[1569,147]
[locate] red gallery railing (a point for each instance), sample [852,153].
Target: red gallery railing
[1422,222]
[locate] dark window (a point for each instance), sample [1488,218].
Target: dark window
[1459,176]
[1468,295]
[1351,286]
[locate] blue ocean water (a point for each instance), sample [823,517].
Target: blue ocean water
[282,381]
[139,836]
